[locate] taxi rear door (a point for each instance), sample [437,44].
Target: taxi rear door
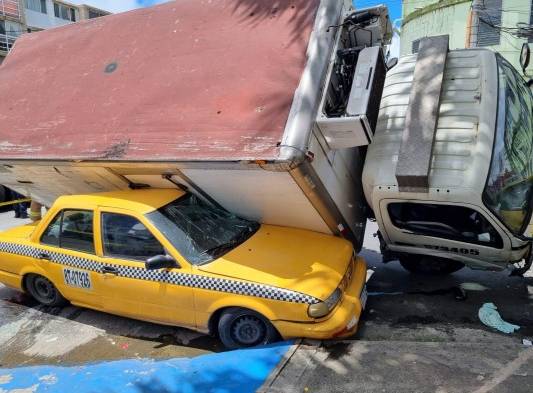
[66,255]
[125,241]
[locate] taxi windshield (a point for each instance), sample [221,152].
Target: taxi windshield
[509,189]
[200,232]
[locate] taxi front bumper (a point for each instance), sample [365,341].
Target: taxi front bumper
[343,320]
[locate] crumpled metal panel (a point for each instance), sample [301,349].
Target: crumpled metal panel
[186,80]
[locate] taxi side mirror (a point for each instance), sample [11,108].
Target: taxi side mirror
[160,262]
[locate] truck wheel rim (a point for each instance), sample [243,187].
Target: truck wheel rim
[44,289]
[248,330]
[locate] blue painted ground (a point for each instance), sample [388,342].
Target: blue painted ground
[235,371]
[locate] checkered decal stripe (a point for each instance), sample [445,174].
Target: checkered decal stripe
[183,279]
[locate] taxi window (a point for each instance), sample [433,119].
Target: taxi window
[51,235]
[126,237]
[71,229]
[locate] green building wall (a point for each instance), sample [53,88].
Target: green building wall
[423,18]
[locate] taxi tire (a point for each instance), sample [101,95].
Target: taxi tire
[44,291]
[229,321]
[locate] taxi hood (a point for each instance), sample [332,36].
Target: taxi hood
[304,261]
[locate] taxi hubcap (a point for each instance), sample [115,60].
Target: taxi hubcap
[44,288]
[248,330]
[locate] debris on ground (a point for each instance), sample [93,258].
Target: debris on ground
[527,342]
[489,315]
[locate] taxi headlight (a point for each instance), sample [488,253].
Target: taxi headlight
[322,309]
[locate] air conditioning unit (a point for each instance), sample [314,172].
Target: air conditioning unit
[356,126]
[350,103]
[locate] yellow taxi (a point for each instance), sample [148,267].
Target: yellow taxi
[166,256]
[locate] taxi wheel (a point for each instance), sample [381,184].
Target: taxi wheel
[44,291]
[242,328]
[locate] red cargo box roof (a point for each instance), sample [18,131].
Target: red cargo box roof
[185,80]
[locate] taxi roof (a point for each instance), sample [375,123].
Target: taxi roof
[141,201]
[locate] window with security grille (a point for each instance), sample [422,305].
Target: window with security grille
[64,12]
[36,5]
[11,28]
[95,14]
[490,20]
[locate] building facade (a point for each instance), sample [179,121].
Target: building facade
[45,14]
[12,24]
[25,16]
[501,25]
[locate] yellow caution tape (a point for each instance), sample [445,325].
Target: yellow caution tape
[36,215]
[14,202]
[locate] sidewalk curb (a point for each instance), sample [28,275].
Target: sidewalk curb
[279,368]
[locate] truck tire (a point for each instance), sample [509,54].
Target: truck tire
[44,291]
[242,328]
[424,264]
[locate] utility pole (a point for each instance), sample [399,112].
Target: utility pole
[473,28]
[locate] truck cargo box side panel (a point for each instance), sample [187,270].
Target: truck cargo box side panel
[44,183]
[186,80]
[340,173]
[269,197]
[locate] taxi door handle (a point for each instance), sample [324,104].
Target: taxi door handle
[43,256]
[109,270]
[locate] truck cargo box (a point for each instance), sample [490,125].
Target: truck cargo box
[217,96]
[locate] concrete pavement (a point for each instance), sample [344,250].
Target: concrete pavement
[8,220]
[419,334]
[406,366]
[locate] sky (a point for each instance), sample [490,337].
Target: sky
[395,14]
[125,5]
[118,5]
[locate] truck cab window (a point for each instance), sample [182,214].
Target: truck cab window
[126,237]
[445,221]
[71,229]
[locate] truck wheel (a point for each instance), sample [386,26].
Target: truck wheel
[424,264]
[242,328]
[44,291]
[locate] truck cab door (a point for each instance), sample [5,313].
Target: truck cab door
[126,241]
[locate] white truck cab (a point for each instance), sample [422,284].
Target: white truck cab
[477,204]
